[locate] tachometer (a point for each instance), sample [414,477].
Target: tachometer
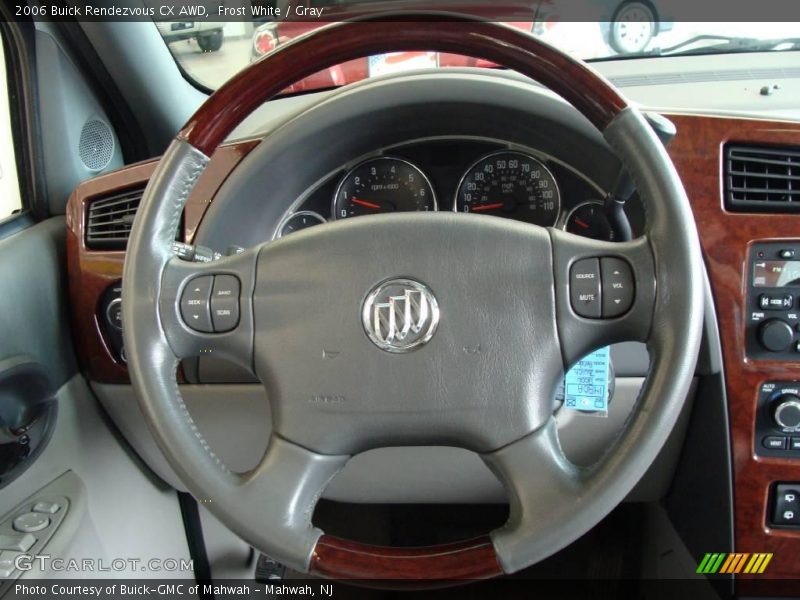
[382,185]
[510,184]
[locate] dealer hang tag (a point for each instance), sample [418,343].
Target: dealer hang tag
[586,385]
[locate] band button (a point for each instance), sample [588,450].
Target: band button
[225,303]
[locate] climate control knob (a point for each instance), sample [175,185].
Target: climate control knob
[775,335]
[787,412]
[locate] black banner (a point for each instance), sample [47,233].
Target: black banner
[508,588]
[340,10]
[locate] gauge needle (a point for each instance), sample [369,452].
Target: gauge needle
[488,206]
[580,223]
[365,203]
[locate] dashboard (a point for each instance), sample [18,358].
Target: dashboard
[440,144]
[468,175]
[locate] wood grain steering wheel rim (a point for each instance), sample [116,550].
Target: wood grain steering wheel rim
[579,85]
[228,106]
[571,79]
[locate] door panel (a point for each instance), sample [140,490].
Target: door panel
[115,508]
[34,319]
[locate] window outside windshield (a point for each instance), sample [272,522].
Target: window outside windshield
[211,52]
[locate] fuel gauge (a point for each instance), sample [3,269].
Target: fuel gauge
[589,220]
[299,220]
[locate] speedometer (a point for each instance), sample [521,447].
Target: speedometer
[381,185]
[510,184]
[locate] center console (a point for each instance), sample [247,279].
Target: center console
[773,301]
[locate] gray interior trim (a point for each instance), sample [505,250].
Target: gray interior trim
[289,478]
[65,104]
[146,74]
[678,77]
[33,271]
[85,444]
[236,422]
[551,509]
[69,492]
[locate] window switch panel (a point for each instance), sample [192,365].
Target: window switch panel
[18,543]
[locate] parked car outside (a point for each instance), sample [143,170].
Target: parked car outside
[208,34]
[626,27]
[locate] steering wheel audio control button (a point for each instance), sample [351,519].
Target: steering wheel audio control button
[195,303]
[584,288]
[225,303]
[618,286]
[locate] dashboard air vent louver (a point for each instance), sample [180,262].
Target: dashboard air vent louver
[762,178]
[110,219]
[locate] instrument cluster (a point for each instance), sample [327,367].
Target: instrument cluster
[467,176]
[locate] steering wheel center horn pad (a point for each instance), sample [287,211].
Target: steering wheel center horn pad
[481,381]
[314,314]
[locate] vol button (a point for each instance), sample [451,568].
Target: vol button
[618,286]
[775,335]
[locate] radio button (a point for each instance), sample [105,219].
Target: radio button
[775,301]
[584,288]
[618,286]
[775,335]
[195,303]
[225,303]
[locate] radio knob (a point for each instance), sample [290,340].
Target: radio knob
[775,335]
[787,412]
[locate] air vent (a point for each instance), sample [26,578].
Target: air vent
[110,219]
[762,179]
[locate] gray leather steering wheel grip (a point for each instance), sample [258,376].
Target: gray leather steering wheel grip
[502,286]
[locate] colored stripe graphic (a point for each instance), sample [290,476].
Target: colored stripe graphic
[737,562]
[767,558]
[729,561]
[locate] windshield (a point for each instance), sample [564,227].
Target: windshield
[210,52]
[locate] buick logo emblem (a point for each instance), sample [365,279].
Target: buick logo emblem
[400,315]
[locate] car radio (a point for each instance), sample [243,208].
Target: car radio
[773,301]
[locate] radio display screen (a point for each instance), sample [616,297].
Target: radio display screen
[776,273]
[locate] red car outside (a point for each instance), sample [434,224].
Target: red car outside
[271,34]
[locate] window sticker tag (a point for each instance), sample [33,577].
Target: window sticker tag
[586,383]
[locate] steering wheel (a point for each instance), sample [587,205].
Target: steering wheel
[430,329]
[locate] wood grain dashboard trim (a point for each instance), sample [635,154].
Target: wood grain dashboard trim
[697,152]
[91,272]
